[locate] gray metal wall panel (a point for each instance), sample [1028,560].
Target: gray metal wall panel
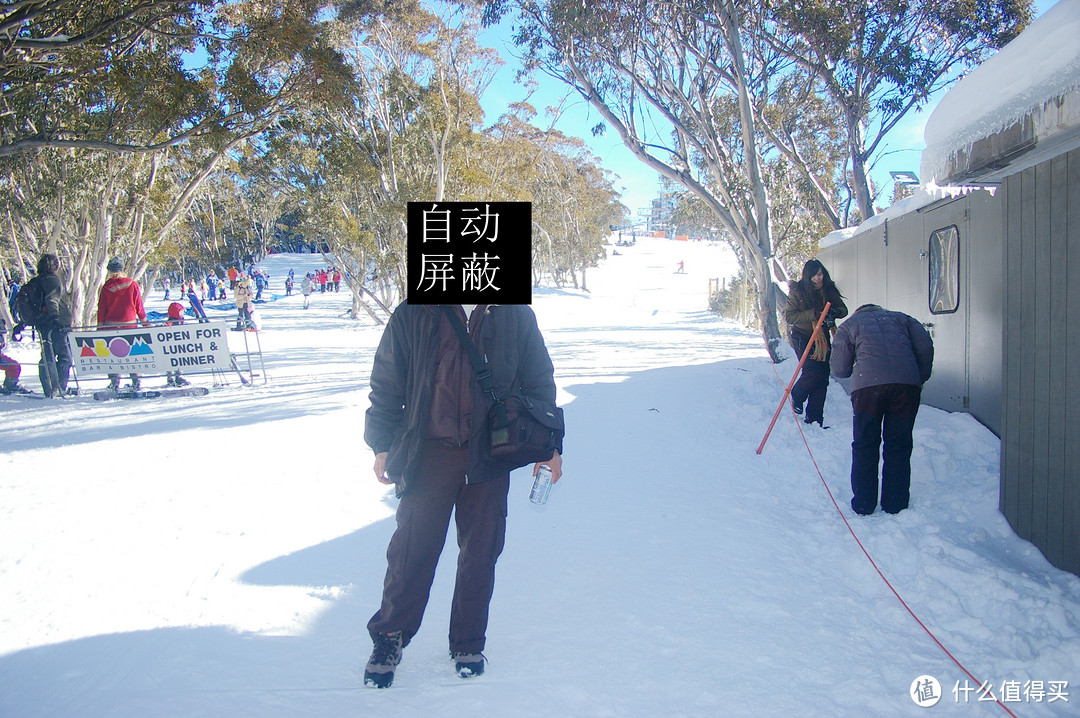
[985,271]
[906,267]
[842,261]
[1070,332]
[1057,357]
[1009,499]
[1040,349]
[873,280]
[1024,276]
[1040,481]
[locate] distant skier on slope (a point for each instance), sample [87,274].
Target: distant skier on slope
[307,287]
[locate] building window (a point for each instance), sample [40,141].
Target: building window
[945,270]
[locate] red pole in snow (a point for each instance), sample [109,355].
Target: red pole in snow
[802,360]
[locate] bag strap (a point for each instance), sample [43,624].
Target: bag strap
[483,374]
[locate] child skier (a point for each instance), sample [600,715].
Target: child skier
[176,316]
[245,306]
[12,369]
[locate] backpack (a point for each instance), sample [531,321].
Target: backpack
[30,307]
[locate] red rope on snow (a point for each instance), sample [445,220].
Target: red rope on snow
[852,531]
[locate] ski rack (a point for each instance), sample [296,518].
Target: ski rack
[219,375]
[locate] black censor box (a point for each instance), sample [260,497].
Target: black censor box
[469,253]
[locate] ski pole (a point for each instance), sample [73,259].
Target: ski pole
[787,391]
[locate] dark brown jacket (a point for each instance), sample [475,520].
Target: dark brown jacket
[400,417]
[804,306]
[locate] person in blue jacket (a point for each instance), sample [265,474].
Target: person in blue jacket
[889,356]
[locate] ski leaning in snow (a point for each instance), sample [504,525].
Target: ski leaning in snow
[107,394]
[197,307]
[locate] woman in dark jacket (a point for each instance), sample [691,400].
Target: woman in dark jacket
[805,304]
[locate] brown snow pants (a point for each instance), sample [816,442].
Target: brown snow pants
[423,517]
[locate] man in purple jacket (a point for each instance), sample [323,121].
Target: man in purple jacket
[889,356]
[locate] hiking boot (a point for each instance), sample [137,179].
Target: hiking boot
[379,672]
[468,665]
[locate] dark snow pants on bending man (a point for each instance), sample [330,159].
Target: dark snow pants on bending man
[883,412]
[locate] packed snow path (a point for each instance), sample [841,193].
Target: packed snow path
[219,556]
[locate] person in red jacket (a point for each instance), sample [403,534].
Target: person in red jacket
[120,305]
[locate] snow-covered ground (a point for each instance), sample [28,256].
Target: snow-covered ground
[220,556]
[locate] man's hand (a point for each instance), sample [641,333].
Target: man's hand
[380,468]
[555,464]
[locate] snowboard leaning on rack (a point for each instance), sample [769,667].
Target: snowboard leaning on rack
[108,394]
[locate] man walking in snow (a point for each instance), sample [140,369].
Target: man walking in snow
[889,356]
[426,426]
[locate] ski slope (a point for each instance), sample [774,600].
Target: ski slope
[220,555]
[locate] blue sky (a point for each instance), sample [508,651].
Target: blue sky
[637,182]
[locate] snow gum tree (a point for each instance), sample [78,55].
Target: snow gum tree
[402,136]
[573,199]
[116,112]
[877,60]
[742,102]
[672,80]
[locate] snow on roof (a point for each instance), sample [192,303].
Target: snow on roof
[837,236]
[922,197]
[1042,63]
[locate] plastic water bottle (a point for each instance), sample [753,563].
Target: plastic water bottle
[541,486]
